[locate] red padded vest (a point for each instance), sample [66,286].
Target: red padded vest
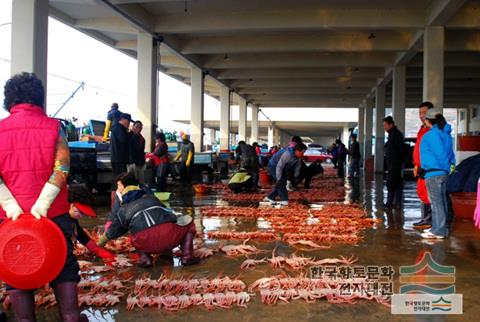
[28,140]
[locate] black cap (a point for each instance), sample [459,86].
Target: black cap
[114,106]
[126,116]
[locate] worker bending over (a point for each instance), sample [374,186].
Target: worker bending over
[154,228]
[289,161]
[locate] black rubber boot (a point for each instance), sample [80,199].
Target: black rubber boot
[145,260]
[426,220]
[187,250]
[23,305]
[67,298]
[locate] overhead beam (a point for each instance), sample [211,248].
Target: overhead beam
[301,90]
[295,42]
[110,24]
[332,104]
[141,20]
[440,11]
[285,20]
[467,17]
[309,82]
[325,72]
[453,59]
[298,60]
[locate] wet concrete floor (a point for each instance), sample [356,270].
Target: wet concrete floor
[393,242]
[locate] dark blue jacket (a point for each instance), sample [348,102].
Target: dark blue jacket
[139,211]
[137,149]
[119,145]
[114,116]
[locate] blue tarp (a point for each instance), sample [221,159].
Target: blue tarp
[465,177]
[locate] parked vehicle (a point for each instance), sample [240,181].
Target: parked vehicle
[312,155]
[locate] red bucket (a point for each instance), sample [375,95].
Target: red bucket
[264,178]
[32,252]
[201,188]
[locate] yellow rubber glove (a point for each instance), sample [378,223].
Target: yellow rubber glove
[189,159]
[102,241]
[107,130]
[452,168]
[178,156]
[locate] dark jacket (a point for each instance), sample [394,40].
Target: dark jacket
[117,203]
[394,148]
[247,156]
[114,116]
[137,149]
[355,150]
[161,153]
[139,212]
[341,152]
[119,145]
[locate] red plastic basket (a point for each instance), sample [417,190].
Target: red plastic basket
[32,252]
[464,204]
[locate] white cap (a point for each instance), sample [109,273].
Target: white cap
[431,113]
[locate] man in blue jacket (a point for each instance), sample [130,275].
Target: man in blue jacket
[437,158]
[289,160]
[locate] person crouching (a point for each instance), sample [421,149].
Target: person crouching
[155,228]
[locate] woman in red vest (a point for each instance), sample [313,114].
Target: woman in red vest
[34,166]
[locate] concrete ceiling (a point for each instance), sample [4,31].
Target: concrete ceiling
[304,129]
[293,53]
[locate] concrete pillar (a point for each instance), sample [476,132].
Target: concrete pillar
[213,138]
[398,96]
[433,65]
[196,115]
[284,138]
[361,128]
[224,118]
[254,135]
[276,135]
[379,131]
[30,38]
[242,120]
[270,136]
[147,87]
[345,135]
[468,116]
[367,145]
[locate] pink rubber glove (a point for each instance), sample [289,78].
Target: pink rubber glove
[476,215]
[107,225]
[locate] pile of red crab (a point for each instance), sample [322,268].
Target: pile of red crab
[179,294]
[312,195]
[287,289]
[299,225]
